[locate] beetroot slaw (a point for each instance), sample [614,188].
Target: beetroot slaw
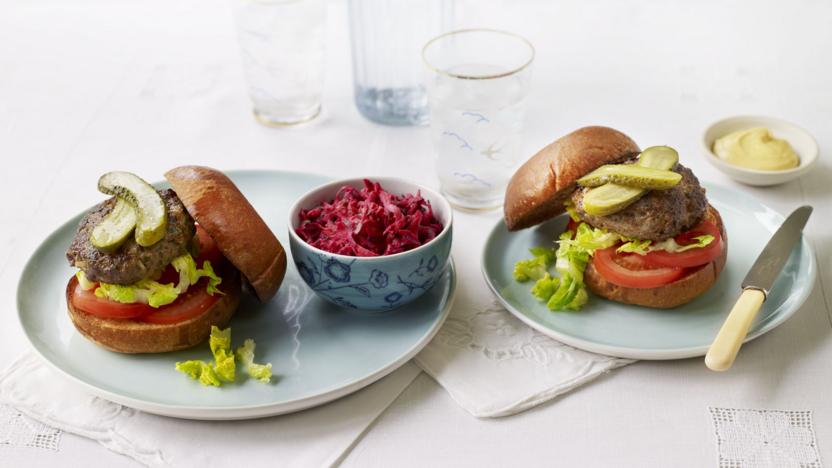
[369,222]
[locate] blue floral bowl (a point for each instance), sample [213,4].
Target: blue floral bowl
[372,283]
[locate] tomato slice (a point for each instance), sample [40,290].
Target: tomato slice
[193,303]
[693,257]
[208,249]
[632,272]
[572,225]
[87,301]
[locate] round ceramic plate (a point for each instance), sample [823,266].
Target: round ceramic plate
[642,333]
[319,352]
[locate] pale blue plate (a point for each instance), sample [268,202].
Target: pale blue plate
[621,330]
[319,352]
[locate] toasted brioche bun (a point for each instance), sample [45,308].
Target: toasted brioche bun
[670,295]
[538,190]
[240,233]
[130,336]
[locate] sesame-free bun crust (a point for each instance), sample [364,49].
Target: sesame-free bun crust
[670,295]
[538,190]
[129,336]
[227,216]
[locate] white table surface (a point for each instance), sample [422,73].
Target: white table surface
[92,85]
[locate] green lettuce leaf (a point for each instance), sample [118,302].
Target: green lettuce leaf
[589,239]
[635,246]
[261,372]
[219,339]
[671,246]
[201,371]
[566,291]
[83,281]
[220,343]
[573,213]
[224,365]
[545,287]
[117,292]
[154,293]
[534,268]
[213,280]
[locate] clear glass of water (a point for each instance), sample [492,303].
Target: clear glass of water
[477,84]
[387,37]
[282,50]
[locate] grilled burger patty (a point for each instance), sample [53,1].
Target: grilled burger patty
[656,216]
[131,262]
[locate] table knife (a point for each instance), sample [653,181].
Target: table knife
[755,288]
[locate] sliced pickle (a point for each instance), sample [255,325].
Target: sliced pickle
[631,175]
[658,157]
[115,228]
[612,198]
[150,208]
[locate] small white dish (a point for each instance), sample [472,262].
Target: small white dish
[801,141]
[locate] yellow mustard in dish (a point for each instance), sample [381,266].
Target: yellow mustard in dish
[756,148]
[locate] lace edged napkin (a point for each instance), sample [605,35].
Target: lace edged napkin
[316,437]
[491,363]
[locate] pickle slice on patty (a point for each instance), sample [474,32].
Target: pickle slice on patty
[612,197]
[115,228]
[150,209]
[631,175]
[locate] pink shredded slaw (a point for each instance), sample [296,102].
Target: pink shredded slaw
[369,222]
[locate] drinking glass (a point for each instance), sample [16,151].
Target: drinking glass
[282,49]
[386,37]
[477,84]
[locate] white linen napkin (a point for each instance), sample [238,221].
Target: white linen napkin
[315,437]
[491,363]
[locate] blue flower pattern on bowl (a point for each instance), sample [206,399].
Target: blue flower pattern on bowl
[336,281]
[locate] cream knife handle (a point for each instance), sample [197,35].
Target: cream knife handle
[727,343]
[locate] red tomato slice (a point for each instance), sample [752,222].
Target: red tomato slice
[572,225]
[693,257]
[208,249]
[87,301]
[611,266]
[193,303]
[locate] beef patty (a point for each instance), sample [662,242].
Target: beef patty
[131,262]
[656,216]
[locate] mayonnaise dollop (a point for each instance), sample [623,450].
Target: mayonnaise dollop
[756,148]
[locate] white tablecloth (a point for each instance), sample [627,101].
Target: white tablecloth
[93,85]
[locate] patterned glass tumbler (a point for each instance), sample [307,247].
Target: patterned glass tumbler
[387,36]
[477,83]
[282,50]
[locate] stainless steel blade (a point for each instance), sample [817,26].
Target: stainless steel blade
[771,260]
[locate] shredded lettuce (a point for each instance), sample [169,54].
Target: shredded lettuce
[213,280]
[565,291]
[199,370]
[589,239]
[224,368]
[261,372]
[671,246]
[534,268]
[220,344]
[635,246]
[83,281]
[156,294]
